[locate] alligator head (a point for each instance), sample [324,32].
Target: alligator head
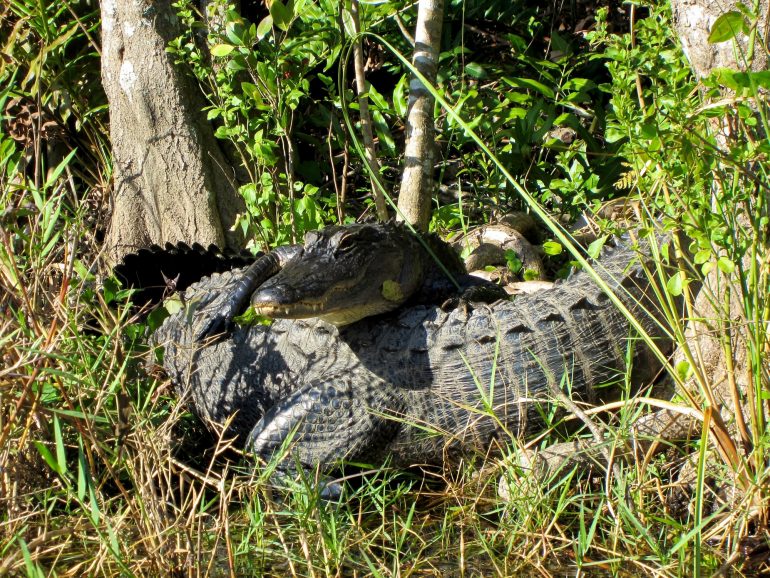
[345,273]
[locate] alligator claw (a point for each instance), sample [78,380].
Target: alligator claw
[285,479]
[217,324]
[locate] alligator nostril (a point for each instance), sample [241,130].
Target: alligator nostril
[273,294]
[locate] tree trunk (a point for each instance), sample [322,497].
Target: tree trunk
[414,198]
[172,182]
[693,20]
[717,330]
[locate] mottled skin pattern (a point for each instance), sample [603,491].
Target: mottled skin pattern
[420,385]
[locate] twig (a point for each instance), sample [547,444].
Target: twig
[366,122]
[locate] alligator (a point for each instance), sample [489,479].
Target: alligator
[422,384]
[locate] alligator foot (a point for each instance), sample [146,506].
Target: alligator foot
[475,290]
[325,422]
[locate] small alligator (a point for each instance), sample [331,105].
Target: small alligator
[419,384]
[345,273]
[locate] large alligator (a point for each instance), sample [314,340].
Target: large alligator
[421,384]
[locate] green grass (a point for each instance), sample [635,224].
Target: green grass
[98,475]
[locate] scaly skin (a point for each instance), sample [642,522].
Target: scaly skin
[420,385]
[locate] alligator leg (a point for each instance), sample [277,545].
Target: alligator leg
[327,421]
[237,298]
[474,290]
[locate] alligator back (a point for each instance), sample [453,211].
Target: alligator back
[420,385]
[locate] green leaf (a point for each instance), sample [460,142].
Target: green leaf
[95,513]
[595,248]
[252,92]
[237,63]
[532,85]
[552,248]
[220,50]
[475,70]
[157,316]
[578,84]
[265,26]
[234,32]
[748,80]
[376,98]
[33,569]
[266,75]
[83,477]
[400,96]
[649,130]
[674,285]
[46,454]
[514,263]
[725,265]
[51,179]
[281,15]
[110,289]
[726,27]
[702,256]
[250,317]
[61,457]
[683,370]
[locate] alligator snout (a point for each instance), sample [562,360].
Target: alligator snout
[275,295]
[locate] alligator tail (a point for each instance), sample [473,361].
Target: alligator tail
[156,271]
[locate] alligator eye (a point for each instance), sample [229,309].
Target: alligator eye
[361,236]
[346,243]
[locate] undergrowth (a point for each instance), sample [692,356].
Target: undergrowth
[98,472]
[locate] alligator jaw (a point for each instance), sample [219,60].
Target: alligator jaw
[285,297]
[339,317]
[343,313]
[295,311]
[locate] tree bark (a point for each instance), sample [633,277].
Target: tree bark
[693,20]
[414,200]
[171,180]
[366,120]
